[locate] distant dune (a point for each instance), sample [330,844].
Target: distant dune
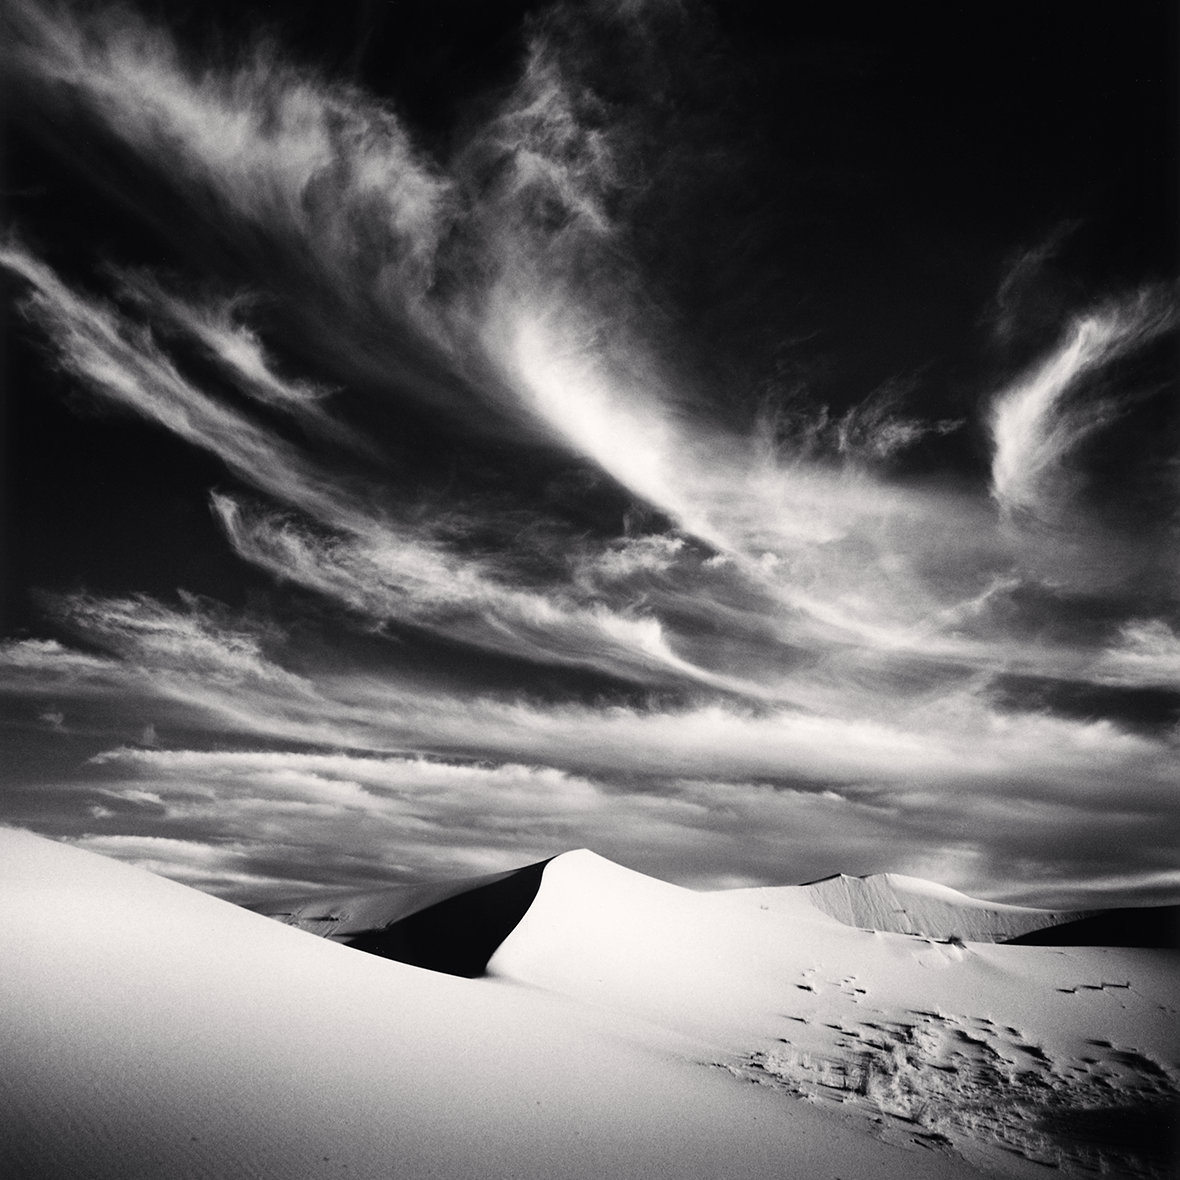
[456,926]
[151,1031]
[909,905]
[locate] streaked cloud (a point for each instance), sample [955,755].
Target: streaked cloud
[391,578]
[371,564]
[1147,653]
[727,646]
[695,793]
[220,326]
[299,154]
[121,361]
[1039,422]
[265,818]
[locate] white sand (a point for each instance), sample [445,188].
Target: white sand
[961,1048]
[147,1030]
[909,905]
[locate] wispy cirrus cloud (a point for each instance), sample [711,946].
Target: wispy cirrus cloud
[373,564]
[221,328]
[363,821]
[387,578]
[681,791]
[801,654]
[527,332]
[393,570]
[120,360]
[953,736]
[525,335]
[306,157]
[1039,422]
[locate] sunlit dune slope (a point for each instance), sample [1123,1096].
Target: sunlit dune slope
[150,1031]
[1001,1055]
[909,905]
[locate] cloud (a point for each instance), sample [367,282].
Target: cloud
[372,564]
[364,820]
[392,578]
[379,819]
[375,252]
[844,556]
[1024,303]
[549,146]
[122,362]
[1039,422]
[692,792]
[486,269]
[866,577]
[215,868]
[804,657]
[543,334]
[199,643]
[275,822]
[220,329]
[1147,654]
[316,160]
[47,656]
[945,738]
[396,571]
[652,553]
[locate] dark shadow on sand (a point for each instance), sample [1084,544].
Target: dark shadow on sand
[1146,1134]
[1155,927]
[459,935]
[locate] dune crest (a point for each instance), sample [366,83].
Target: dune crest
[1007,1057]
[151,1031]
[911,905]
[449,926]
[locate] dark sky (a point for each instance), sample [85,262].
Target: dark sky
[739,440]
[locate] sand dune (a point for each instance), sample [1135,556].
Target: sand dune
[1141,926]
[152,1031]
[451,926]
[999,1055]
[909,905]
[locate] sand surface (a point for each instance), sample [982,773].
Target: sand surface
[628,1028]
[982,1052]
[908,905]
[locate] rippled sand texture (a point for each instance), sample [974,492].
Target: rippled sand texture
[151,1031]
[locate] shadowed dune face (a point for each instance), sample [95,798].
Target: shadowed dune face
[453,927]
[461,934]
[627,1027]
[151,1032]
[456,926]
[1151,927]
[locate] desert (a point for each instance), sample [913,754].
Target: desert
[589,589]
[624,1027]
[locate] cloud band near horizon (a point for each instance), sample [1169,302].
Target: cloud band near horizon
[800,648]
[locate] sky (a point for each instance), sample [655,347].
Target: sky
[737,438]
